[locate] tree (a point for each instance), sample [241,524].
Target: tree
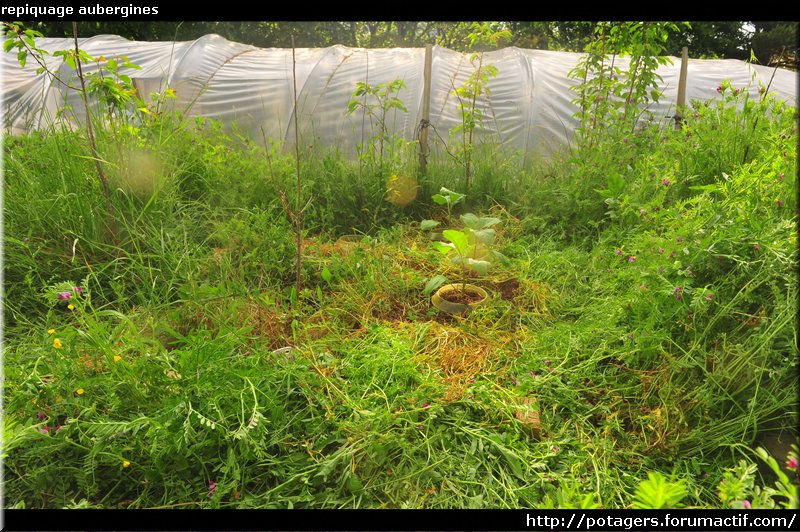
[705,39]
[775,43]
[712,39]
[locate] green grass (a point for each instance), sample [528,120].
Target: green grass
[652,321]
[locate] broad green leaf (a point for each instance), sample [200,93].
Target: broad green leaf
[427,225]
[480,266]
[485,236]
[459,240]
[447,196]
[500,256]
[432,285]
[326,275]
[476,224]
[443,247]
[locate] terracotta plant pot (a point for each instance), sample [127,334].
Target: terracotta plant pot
[441,299]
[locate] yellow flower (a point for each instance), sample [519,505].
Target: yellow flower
[79,391]
[117,358]
[56,343]
[51,331]
[126,463]
[71,306]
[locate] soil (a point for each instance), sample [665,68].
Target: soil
[507,289]
[464,297]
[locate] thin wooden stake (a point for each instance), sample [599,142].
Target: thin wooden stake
[298,215]
[89,129]
[681,104]
[424,149]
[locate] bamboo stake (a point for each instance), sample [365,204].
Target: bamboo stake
[424,149]
[681,104]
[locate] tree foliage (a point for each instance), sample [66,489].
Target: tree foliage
[705,39]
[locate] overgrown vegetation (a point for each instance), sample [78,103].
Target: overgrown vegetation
[648,306]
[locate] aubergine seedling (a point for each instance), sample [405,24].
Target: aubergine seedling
[447,198]
[472,248]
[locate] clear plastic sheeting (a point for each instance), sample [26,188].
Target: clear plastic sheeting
[529,108]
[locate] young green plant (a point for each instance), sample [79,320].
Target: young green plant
[445,197]
[470,248]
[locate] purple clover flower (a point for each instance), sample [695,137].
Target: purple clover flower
[666,181]
[793,463]
[64,296]
[677,292]
[709,297]
[618,253]
[45,430]
[756,247]
[631,259]
[212,487]
[40,416]
[746,504]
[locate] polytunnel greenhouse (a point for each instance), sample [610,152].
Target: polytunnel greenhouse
[529,107]
[233,278]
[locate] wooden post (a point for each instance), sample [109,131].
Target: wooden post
[681,104]
[298,213]
[426,111]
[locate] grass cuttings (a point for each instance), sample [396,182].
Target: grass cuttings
[458,357]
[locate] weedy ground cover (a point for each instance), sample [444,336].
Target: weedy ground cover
[159,358]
